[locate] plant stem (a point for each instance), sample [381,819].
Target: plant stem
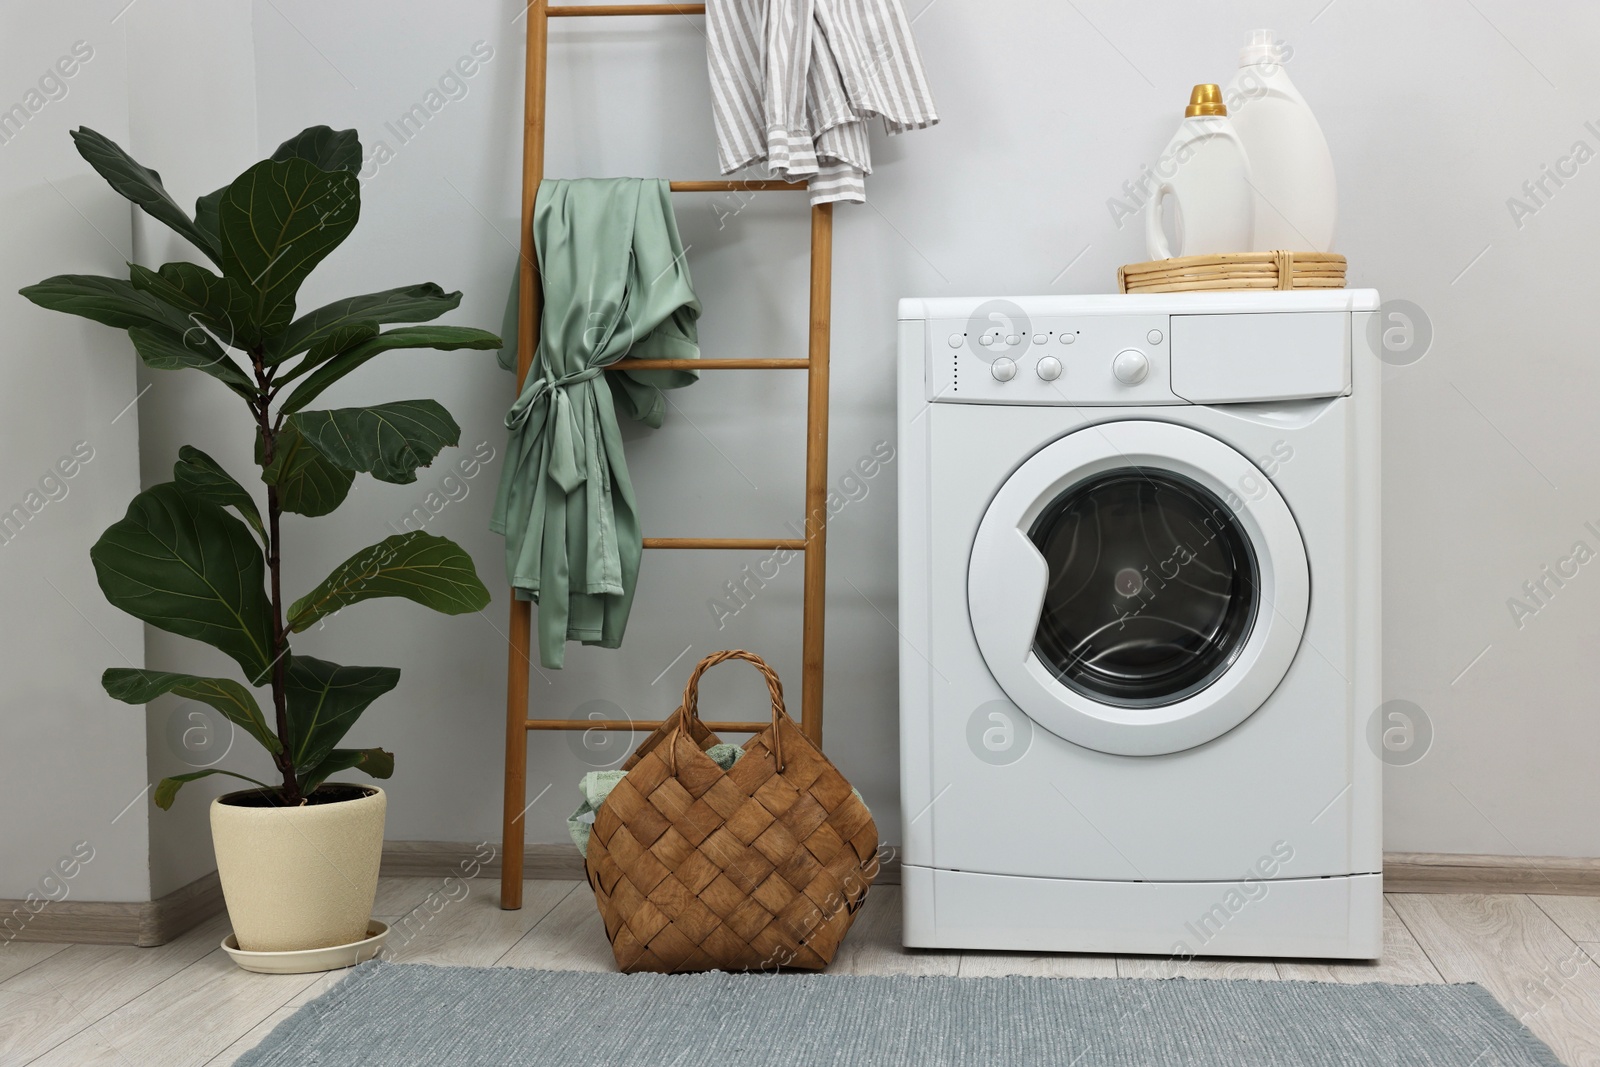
[280,635]
[280,649]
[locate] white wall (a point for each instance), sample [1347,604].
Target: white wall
[202,55]
[730,459]
[73,759]
[1435,117]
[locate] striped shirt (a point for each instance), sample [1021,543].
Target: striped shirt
[793,83]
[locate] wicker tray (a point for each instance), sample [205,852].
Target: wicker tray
[1234,270]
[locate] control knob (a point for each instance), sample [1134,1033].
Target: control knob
[1130,366]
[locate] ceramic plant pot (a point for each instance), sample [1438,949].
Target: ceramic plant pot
[299,878]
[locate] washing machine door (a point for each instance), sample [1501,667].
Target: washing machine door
[1128,597]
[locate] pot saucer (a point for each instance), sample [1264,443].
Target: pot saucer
[307,960]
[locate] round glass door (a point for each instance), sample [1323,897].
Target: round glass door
[1121,604]
[1152,591]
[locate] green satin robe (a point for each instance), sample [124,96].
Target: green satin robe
[615,284]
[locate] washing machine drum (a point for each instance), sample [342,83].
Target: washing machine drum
[1138,588]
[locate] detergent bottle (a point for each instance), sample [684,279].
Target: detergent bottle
[1206,170]
[1296,195]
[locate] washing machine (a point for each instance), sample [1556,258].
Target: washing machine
[1139,621]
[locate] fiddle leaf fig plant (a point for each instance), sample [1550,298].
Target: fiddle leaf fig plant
[198,555]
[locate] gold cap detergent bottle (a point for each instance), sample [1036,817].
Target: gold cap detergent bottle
[1206,170]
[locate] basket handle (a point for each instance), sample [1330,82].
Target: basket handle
[691,691]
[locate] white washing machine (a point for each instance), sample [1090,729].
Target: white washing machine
[1139,608]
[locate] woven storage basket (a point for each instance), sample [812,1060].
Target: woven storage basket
[754,868]
[1235,270]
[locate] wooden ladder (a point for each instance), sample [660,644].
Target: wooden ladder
[813,545]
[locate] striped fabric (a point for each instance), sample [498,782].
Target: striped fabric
[793,83]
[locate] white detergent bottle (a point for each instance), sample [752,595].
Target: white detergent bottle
[1297,201]
[1206,170]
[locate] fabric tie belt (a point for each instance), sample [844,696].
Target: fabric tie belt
[566,442]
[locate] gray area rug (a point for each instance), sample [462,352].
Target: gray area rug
[397,1015]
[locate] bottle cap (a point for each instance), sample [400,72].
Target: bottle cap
[1205,100]
[1261,49]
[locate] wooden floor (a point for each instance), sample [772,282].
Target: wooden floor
[185,1003]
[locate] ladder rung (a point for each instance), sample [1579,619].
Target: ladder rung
[739,185]
[710,364]
[625,9]
[733,543]
[613,724]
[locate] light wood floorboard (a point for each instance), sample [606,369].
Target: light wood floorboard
[1199,967]
[1514,950]
[184,1020]
[185,1004]
[873,944]
[397,896]
[1578,917]
[1403,961]
[471,931]
[1000,964]
[33,1023]
[572,937]
[98,979]
[69,991]
[18,956]
[320,984]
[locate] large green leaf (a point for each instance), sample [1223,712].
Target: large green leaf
[373,761]
[307,483]
[324,701]
[276,222]
[200,476]
[167,348]
[205,214]
[139,184]
[226,695]
[323,147]
[183,564]
[433,571]
[328,153]
[409,303]
[167,788]
[220,304]
[347,335]
[161,335]
[443,338]
[112,301]
[389,440]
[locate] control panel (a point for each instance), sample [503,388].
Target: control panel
[1001,355]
